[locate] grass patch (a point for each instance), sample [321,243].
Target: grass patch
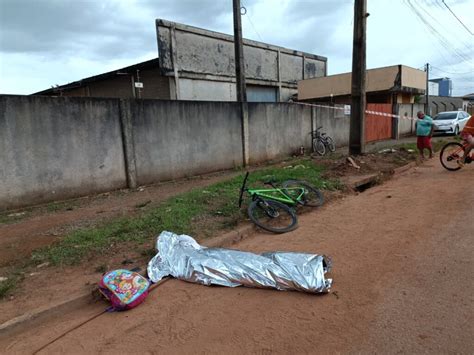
[61,206]
[199,212]
[437,145]
[7,286]
[11,217]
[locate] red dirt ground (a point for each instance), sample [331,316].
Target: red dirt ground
[403,266]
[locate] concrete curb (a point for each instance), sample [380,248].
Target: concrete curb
[84,299]
[403,168]
[222,241]
[42,312]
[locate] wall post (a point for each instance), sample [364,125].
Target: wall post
[127,143]
[244,115]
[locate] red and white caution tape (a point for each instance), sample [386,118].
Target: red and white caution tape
[377,113]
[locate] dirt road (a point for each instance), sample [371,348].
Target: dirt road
[402,269]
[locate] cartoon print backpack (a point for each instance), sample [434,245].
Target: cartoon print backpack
[124,289]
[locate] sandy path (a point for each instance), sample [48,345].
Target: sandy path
[403,265]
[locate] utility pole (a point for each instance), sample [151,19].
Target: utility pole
[357,126]
[240,81]
[239,54]
[427,93]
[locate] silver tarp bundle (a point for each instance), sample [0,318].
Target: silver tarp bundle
[183,258]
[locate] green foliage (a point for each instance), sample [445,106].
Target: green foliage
[200,211]
[7,286]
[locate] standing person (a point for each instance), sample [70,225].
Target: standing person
[424,131]
[467,135]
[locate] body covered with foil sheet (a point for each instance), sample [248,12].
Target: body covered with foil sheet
[183,258]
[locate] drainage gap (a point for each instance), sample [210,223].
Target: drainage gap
[365,186]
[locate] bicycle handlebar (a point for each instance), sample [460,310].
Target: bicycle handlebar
[316,130]
[242,189]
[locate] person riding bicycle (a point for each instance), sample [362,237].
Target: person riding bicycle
[467,134]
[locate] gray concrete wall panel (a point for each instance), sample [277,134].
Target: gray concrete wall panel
[291,68]
[57,148]
[164,51]
[286,94]
[174,139]
[314,68]
[260,64]
[405,125]
[206,90]
[200,54]
[277,129]
[334,122]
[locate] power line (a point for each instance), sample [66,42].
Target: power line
[437,21]
[251,23]
[442,40]
[453,73]
[467,29]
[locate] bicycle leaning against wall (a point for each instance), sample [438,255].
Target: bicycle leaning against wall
[321,141]
[274,209]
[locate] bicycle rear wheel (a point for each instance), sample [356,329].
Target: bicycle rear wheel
[330,144]
[318,147]
[272,216]
[450,154]
[312,196]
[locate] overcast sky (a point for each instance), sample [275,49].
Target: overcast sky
[53,42]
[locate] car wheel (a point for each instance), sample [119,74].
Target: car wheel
[456,130]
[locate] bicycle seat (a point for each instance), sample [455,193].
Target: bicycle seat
[269,181]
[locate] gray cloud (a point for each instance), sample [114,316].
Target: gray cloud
[97,29]
[104,29]
[60,40]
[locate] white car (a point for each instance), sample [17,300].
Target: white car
[450,122]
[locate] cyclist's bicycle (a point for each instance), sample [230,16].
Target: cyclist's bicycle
[321,141]
[452,153]
[273,209]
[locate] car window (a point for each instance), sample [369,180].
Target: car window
[466,115]
[446,116]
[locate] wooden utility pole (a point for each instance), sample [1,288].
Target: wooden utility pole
[357,127]
[239,54]
[427,93]
[240,81]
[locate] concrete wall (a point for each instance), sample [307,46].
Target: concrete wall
[206,90]
[413,78]
[173,139]
[405,124]
[334,122]
[57,148]
[443,103]
[380,79]
[54,148]
[207,57]
[277,130]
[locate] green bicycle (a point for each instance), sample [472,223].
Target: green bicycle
[273,209]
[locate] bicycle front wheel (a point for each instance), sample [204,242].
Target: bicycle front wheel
[330,144]
[450,154]
[318,147]
[272,216]
[311,197]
